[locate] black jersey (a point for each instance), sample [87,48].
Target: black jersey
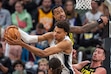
[87,70]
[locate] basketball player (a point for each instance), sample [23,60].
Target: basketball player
[95,67]
[60,15]
[60,45]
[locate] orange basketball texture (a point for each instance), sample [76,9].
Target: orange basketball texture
[13,32]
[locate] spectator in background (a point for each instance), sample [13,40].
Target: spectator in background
[31,8]
[94,13]
[21,17]
[15,52]
[44,15]
[58,2]
[40,72]
[5,18]
[19,67]
[43,65]
[5,63]
[9,5]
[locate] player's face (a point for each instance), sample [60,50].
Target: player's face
[59,33]
[59,14]
[98,55]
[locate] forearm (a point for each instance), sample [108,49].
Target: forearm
[77,72]
[4,69]
[28,38]
[36,51]
[89,26]
[85,28]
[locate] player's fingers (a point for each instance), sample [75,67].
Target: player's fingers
[8,41]
[17,34]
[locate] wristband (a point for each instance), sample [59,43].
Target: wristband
[100,21]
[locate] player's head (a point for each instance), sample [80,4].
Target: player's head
[61,29]
[59,13]
[55,66]
[99,54]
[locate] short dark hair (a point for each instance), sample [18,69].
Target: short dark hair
[98,2]
[64,25]
[98,46]
[18,62]
[54,63]
[40,25]
[55,8]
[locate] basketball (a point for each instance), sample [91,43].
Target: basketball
[13,32]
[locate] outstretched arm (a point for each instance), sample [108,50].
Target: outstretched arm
[89,26]
[61,46]
[30,38]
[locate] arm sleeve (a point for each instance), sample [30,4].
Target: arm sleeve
[28,38]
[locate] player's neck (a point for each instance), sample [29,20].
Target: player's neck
[95,64]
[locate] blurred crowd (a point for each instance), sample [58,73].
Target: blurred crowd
[36,18]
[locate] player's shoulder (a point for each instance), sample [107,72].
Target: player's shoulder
[101,69]
[50,33]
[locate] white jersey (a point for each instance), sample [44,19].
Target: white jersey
[93,17]
[66,59]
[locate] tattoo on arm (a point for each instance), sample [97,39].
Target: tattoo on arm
[89,26]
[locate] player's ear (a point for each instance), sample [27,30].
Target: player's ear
[104,58]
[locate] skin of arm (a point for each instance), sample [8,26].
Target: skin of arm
[88,27]
[62,46]
[80,65]
[4,69]
[100,70]
[77,72]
